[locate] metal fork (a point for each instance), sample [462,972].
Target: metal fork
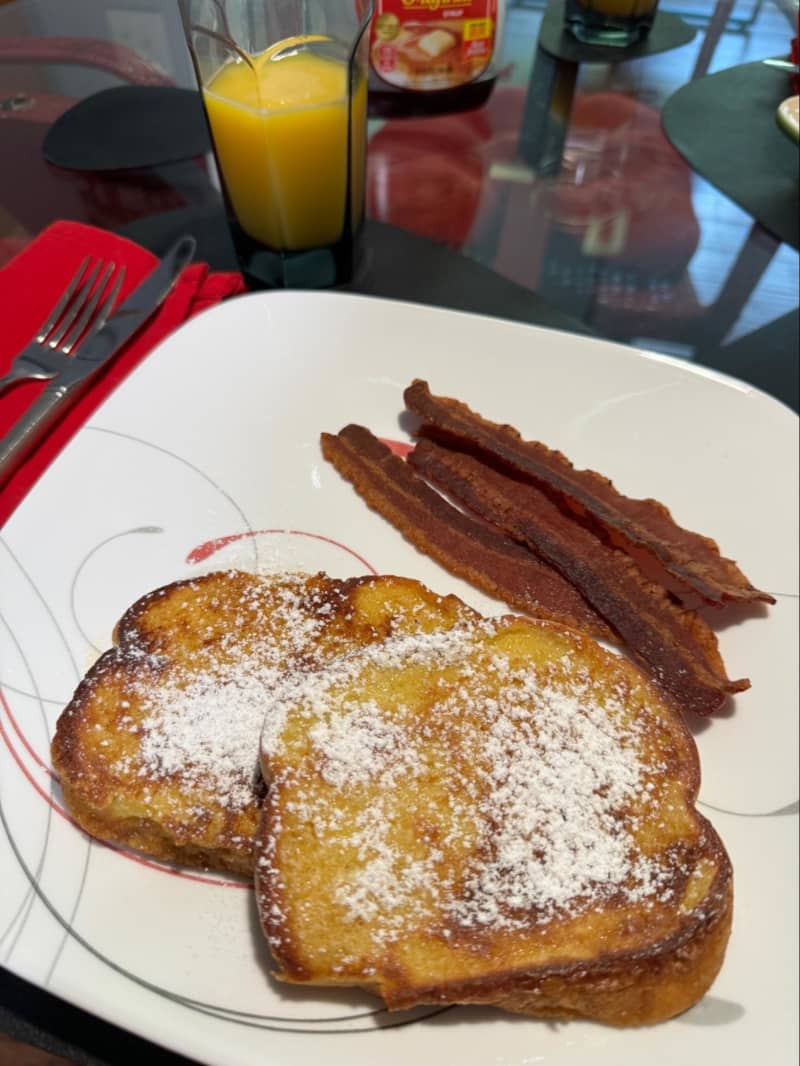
[76,317]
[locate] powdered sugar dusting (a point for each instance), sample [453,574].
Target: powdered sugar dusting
[522,789]
[556,776]
[204,730]
[358,745]
[199,720]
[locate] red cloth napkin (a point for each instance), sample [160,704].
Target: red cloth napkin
[30,286]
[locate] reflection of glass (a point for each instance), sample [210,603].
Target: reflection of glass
[596,197]
[285,93]
[610,22]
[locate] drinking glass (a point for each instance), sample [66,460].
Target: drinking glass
[284,86]
[610,22]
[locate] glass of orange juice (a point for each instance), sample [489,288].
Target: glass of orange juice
[284,86]
[617,23]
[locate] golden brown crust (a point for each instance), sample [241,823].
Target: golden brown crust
[623,959]
[208,632]
[638,986]
[160,841]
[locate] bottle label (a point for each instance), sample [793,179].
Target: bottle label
[432,44]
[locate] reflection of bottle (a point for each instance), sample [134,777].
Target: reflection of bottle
[432,56]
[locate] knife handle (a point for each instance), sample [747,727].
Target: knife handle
[38,419]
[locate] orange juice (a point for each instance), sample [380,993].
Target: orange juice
[280,135]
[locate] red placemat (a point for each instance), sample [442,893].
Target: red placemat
[30,286]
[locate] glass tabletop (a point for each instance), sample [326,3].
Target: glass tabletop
[607,194]
[557,196]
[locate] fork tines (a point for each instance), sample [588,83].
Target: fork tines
[67,321]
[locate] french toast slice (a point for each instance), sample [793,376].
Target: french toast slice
[503,813]
[158,749]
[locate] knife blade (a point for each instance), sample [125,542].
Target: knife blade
[132,314]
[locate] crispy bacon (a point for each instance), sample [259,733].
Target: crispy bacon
[646,524]
[465,546]
[676,646]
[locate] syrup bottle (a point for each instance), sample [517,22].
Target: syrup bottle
[432,56]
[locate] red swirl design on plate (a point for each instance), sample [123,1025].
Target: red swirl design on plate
[210,547]
[399,447]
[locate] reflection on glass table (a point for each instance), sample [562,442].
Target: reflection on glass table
[562,182]
[566,183]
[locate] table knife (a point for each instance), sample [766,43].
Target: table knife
[135,310]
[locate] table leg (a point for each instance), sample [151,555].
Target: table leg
[753,259]
[715,29]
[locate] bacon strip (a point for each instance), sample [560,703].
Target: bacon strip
[647,524]
[675,645]
[465,546]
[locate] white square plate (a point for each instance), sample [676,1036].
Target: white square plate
[208,456]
